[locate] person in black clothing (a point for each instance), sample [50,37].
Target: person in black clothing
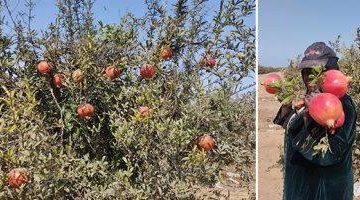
[310,176]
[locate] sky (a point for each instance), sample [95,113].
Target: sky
[107,11]
[287,27]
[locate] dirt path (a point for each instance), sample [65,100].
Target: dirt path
[270,146]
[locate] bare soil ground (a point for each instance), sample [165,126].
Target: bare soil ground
[270,141]
[230,188]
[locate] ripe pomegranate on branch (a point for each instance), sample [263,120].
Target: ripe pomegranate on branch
[147,71]
[166,52]
[17,177]
[112,72]
[44,67]
[144,111]
[58,80]
[85,110]
[208,61]
[269,82]
[206,142]
[330,81]
[335,82]
[283,89]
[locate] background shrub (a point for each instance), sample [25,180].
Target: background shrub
[266,70]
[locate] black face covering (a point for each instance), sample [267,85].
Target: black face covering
[305,77]
[332,63]
[305,73]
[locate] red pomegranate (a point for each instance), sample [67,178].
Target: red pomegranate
[166,53]
[147,71]
[339,123]
[44,67]
[335,82]
[86,110]
[78,76]
[17,177]
[325,109]
[269,79]
[58,80]
[206,142]
[209,61]
[144,111]
[112,72]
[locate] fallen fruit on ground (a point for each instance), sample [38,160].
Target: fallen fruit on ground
[112,72]
[335,82]
[270,79]
[147,71]
[17,177]
[58,80]
[166,53]
[85,110]
[44,67]
[78,76]
[206,142]
[325,109]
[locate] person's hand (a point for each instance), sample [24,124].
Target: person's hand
[307,118]
[285,109]
[305,112]
[283,115]
[297,104]
[313,128]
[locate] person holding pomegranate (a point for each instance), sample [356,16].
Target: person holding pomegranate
[308,174]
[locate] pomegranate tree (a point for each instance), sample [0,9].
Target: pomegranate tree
[270,79]
[101,130]
[325,109]
[335,82]
[17,177]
